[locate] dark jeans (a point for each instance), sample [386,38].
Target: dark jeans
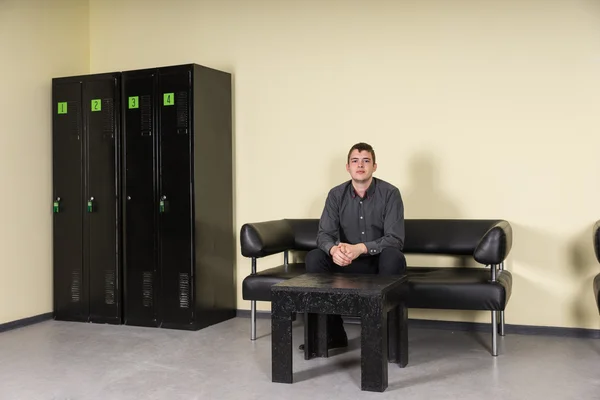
[390,261]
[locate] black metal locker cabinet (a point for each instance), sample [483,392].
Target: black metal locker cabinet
[102,101]
[192,224]
[176,217]
[212,189]
[70,293]
[140,214]
[86,198]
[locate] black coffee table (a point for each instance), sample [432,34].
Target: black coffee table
[379,301]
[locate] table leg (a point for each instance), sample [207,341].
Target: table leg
[373,359]
[398,335]
[315,336]
[281,348]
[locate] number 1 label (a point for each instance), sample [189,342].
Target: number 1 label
[62,107]
[169,99]
[96,105]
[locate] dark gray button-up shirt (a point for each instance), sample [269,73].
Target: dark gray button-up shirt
[377,220]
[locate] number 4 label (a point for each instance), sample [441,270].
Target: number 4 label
[169,99]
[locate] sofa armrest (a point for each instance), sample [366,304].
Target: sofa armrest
[262,239]
[494,246]
[596,240]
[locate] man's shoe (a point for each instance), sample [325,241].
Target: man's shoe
[336,342]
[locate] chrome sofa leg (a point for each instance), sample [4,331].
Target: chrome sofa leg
[501,331]
[494,333]
[253,320]
[253,307]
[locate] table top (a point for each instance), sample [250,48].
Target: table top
[340,283]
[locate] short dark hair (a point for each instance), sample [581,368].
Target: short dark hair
[362,147]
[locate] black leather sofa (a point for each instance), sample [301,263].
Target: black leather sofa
[485,287]
[596,240]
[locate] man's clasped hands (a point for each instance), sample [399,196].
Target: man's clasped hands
[343,254]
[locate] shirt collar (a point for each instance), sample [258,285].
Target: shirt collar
[368,193]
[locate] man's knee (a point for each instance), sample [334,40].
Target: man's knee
[316,260]
[392,261]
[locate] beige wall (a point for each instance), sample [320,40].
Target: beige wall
[476,109]
[39,40]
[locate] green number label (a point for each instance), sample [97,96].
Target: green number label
[169,99]
[62,107]
[134,102]
[96,105]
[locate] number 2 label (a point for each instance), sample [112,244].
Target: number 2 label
[96,105]
[169,99]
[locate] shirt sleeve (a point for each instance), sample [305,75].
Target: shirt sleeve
[393,226]
[328,234]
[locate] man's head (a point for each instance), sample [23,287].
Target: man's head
[361,162]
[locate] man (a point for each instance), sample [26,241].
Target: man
[361,229]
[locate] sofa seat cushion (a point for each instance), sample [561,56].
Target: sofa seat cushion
[258,287]
[430,287]
[458,288]
[597,290]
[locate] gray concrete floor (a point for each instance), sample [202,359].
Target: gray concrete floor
[63,360]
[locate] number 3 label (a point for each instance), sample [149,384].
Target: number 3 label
[133,102]
[96,105]
[169,99]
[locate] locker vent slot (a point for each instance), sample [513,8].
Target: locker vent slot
[74,118]
[147,289]
[146,114]
[184,290]
[76,286]
[109,287]
[108,109]
[182,110]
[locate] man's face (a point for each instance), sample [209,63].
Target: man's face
[361,166]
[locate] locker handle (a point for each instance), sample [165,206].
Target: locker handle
[56,205]
[162,204]
[90,205]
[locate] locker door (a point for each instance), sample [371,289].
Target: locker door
[141,262]
[176,216]
[101,106]
[70,295]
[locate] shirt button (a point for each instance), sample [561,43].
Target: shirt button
[361,217]
[363,233]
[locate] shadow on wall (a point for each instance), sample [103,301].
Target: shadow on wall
[336,176]
[423,198]
[584,267]
[422,195]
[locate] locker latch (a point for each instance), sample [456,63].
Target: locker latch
[162,203]
[57,205]
[90,205]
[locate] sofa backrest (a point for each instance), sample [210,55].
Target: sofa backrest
[459,237]
[423,236]
[305,233]
[488,241]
